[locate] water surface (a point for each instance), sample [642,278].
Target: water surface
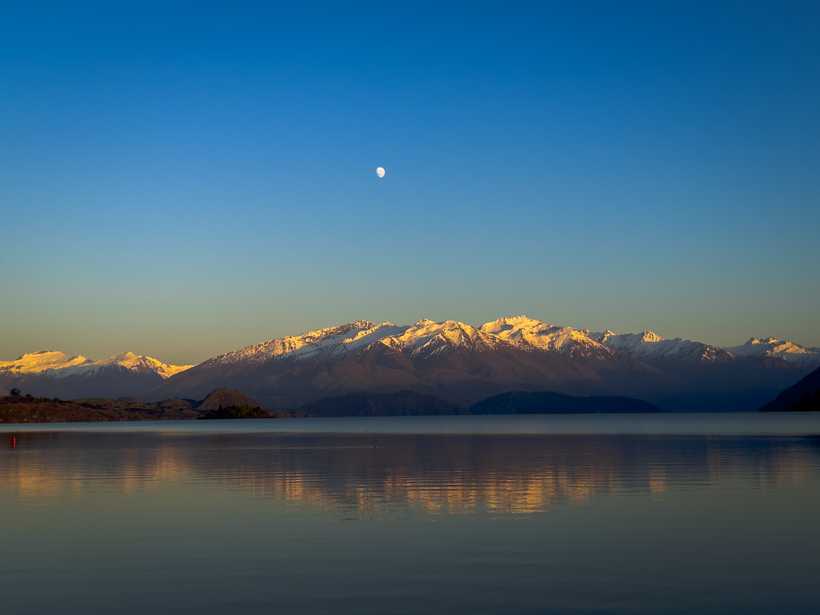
[606,513]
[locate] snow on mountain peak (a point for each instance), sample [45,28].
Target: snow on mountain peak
[341,338]
[41,361]
[650,337]
[650,345]
[604,335]
[425,336]
[60,365]
[431,337]
[775,342]
[129,361]
[532,334]
[143,363]
[774,347]
[506,323]
[428,337]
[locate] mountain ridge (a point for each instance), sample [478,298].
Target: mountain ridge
[521,331]
[450,359]
[53,373]
[461,363]
[58,361]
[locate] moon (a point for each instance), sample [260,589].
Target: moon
[380,172]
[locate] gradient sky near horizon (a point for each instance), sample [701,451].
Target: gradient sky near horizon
[182,179]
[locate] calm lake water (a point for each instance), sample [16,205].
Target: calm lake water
[608,513]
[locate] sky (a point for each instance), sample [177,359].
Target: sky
[184,178]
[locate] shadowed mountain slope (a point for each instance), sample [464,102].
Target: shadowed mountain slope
[803,396]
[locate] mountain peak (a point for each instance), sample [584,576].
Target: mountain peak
[774,347]
[510,322]
[41,361]
[428,337]
[335,339]
[143,363]
[650,337]
[771,340]
[59,364]
[532,334]
[126,356]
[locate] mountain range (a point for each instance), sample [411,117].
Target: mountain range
[451,360]
[51,373]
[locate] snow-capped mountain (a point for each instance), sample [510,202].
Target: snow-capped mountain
[60,365]
[329,341]
[530,334]
[453,360]
[776,348]
[140,364]
[427,337]
[462,362]
[43,361]
[53,373]
[651,346]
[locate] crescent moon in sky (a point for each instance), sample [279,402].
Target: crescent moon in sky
[380,172]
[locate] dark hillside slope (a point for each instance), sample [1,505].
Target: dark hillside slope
[802,397]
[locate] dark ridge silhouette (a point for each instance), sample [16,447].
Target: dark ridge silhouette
[227,398]
[544,402]
[29,409]
[801,397]
[220,404]
[231,404]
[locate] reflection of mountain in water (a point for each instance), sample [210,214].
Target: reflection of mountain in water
[388,474]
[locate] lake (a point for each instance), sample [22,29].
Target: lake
[702,513]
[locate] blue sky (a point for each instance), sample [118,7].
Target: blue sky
[185,178]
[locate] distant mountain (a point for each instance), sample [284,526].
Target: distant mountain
[450,360]
[41,362]
[651,346]
[461,364]
[803,396]
[401,403]
[776,348]
[544,402]
[55,374]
